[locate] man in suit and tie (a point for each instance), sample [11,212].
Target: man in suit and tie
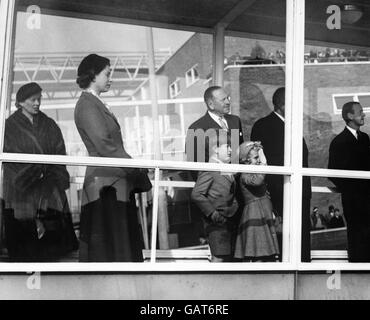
[350,150]
[270,131]
[216,120]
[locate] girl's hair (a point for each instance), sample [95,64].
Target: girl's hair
[244,150]
[89,67]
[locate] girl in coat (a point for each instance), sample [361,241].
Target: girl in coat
[256,237]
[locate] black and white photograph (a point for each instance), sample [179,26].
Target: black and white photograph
[175,150]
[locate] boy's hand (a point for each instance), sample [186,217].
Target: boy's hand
[217,217]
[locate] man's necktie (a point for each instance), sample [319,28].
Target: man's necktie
[223,123]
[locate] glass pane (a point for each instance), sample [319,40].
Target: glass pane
[335,125]
[51,213]
[336,72]
[254,68]
[249,227]
[328,224]
[339,219]
[51,54]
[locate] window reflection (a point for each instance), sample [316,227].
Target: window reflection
[63,218]
[254,229]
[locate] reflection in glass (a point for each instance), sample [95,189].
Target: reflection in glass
[108,195]
[51,55]
[328,225]
[182,224]
[249,230]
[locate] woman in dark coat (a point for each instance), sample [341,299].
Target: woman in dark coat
[109,222]
[38,223]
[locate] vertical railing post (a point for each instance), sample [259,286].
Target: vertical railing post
[294,124]
[162,210]
[6,35]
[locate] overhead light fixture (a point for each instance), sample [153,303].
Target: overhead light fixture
[350,13]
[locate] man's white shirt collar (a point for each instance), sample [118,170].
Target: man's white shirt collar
[280,116]
[216,118]
[353,131]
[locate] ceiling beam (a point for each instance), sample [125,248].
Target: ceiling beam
[235,12]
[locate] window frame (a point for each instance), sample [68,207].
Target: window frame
[354,97]
[193,78]
[177,88]
[295,19]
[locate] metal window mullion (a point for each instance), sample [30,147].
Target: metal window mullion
[294,117]
[7,13]
[1,209]
[153,246]
[286,249]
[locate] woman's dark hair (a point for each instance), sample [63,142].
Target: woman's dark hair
[89,67]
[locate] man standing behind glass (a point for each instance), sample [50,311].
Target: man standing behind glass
[217,118]
[350,150]
[270,131]
[216,121]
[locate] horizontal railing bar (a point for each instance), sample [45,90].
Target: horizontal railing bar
[140,163]
[178,165]
[335,173]
[333,266]
[144,267]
